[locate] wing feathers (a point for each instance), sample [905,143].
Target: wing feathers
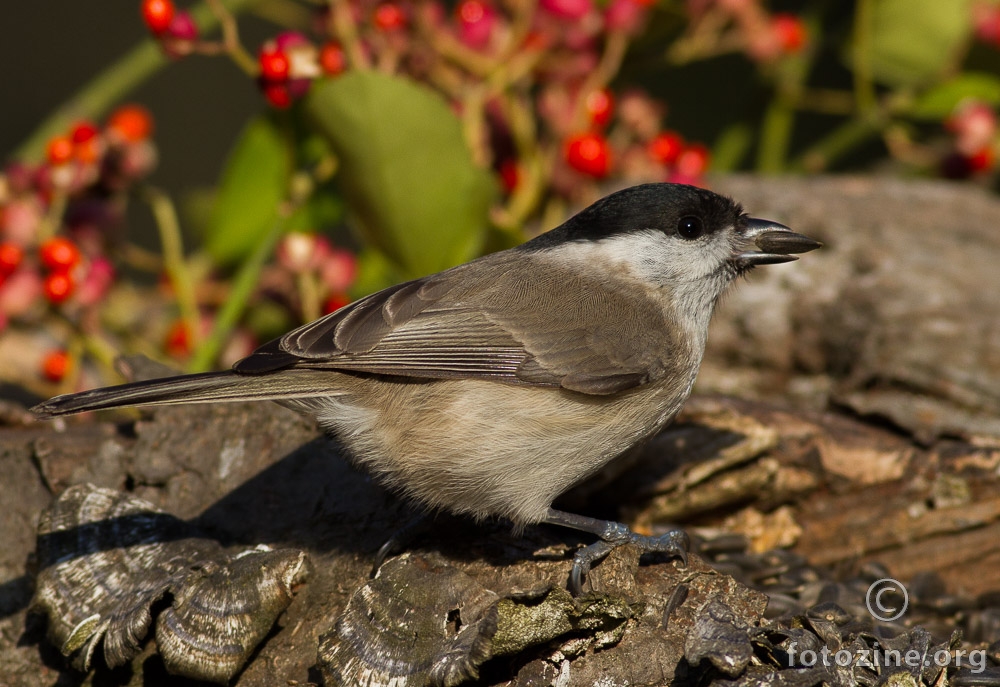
[481,320]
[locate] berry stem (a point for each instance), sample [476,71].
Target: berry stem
[231,37]
[864,84]
[309,297]
[243,285]
[342,26]
[840,141]
[775,134]
[610,64]
[790,76]
[53,217]
[111,86]
[245,281]
[533,166]
[174,263]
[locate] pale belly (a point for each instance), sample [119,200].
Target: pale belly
[490,449]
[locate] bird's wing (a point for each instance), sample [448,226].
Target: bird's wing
[478,321]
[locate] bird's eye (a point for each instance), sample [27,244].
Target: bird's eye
[690,227]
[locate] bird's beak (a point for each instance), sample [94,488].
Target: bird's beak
[764,242]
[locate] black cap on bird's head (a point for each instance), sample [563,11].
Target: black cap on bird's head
[686,212]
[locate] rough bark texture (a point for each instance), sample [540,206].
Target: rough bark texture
[868,429]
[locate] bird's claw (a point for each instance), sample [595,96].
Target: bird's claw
[675,543]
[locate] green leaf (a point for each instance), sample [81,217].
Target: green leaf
[405,171]
[940,101]
[254,183]
[914,41]
[323,209]
[375,273]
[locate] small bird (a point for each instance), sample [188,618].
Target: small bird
[491,388]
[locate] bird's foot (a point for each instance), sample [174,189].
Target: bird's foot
[400,540]
[613,535]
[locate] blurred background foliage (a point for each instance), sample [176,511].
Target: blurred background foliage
[188,180]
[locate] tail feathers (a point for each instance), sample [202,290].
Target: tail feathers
[209,386]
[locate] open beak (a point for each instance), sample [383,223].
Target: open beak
[768,243]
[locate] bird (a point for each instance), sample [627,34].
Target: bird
[490,388]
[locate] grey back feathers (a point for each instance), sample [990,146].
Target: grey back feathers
[492,387]
[592,307]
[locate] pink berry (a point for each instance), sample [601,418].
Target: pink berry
[569,10]
[600,106]
[476,20]
[626,16]
[339,269]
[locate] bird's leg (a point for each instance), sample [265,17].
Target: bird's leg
[613,535]
[398,541]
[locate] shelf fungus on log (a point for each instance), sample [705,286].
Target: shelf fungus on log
[112,565]
[428,620]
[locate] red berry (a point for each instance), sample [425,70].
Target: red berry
[58,286]
[600,106]
[59,254]
[510,175]
[10,258]
[982,160]
[157,14]
[86,142]
[55,365]
[83,131]
[693,160]
[790,30]
[178,340]
[336,302]
[331,59]
[666,147]
[277,94]
[59,150]
[274,65]
[131,123]
[588,153]
[389,17]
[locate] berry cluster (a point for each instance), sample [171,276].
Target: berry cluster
[554,60]
[549,64]
[764,37]
[59,219]
[331,271]
[176,31]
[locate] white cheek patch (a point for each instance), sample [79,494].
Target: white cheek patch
[652,256]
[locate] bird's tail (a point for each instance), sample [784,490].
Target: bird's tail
[196,388]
